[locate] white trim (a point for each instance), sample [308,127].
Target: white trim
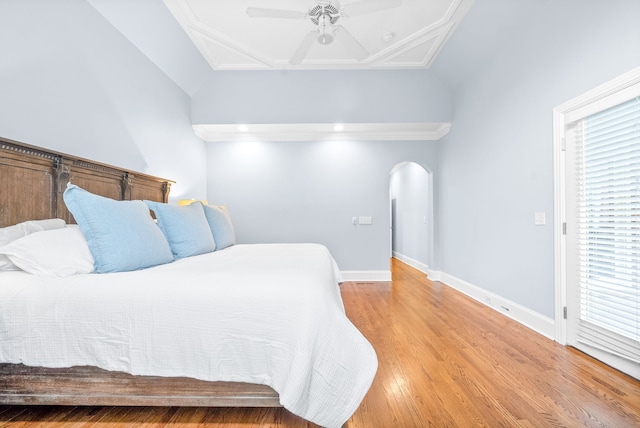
[233,52]
[366,275]
[422,267]
[560,217]
[434,275]
[409,131]
[560,117]
[525,316]
[579,106]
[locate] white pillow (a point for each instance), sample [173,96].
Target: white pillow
[11,233]
[58,252]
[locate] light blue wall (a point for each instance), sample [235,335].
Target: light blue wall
[322,97]
[70,82]
[151,27]
[309,192]
[496,165]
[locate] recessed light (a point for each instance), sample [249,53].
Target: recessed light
[243,128]
[338,127]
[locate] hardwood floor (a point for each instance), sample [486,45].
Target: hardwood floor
[445,360]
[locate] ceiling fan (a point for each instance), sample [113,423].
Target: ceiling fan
[324,16]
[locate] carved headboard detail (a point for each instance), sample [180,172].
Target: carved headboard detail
[32,180]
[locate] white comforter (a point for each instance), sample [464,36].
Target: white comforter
[263,313]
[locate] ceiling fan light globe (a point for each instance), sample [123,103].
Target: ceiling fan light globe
[325,38]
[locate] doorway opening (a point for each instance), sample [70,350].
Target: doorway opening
[411,213]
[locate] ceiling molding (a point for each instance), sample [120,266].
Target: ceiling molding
[223,54]
[230,40]
[414,131]
[423,46]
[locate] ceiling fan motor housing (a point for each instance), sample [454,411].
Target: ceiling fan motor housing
[324,15]
[329,10]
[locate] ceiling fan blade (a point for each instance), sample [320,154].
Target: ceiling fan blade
[303,49]
[259,12]
[345,37]
[365,7]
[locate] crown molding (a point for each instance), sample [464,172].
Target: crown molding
[410,131]
[422,32]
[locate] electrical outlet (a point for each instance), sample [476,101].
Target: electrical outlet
[364,220]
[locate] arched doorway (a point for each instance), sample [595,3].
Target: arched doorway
[411,213]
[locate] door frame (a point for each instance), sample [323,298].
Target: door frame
[560,115]
[427,265]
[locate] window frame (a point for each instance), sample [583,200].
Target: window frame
[610,93]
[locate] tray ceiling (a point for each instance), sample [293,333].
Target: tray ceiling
[407,36]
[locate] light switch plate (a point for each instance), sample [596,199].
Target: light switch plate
[540,219]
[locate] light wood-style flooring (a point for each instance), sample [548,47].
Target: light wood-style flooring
[445,360]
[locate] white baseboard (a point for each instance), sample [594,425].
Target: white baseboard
[434,275]
[366,275]
[525,316]
[411,262]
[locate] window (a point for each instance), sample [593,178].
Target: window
[608,228]
[598,191]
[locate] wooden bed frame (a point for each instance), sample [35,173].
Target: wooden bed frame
[32,180]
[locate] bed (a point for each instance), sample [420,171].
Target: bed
[248,325]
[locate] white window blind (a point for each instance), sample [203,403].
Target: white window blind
[608,229]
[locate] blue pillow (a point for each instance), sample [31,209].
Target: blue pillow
[220,223]
[121,235]
[185,227]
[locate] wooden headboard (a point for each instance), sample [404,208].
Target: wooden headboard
[32,180]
